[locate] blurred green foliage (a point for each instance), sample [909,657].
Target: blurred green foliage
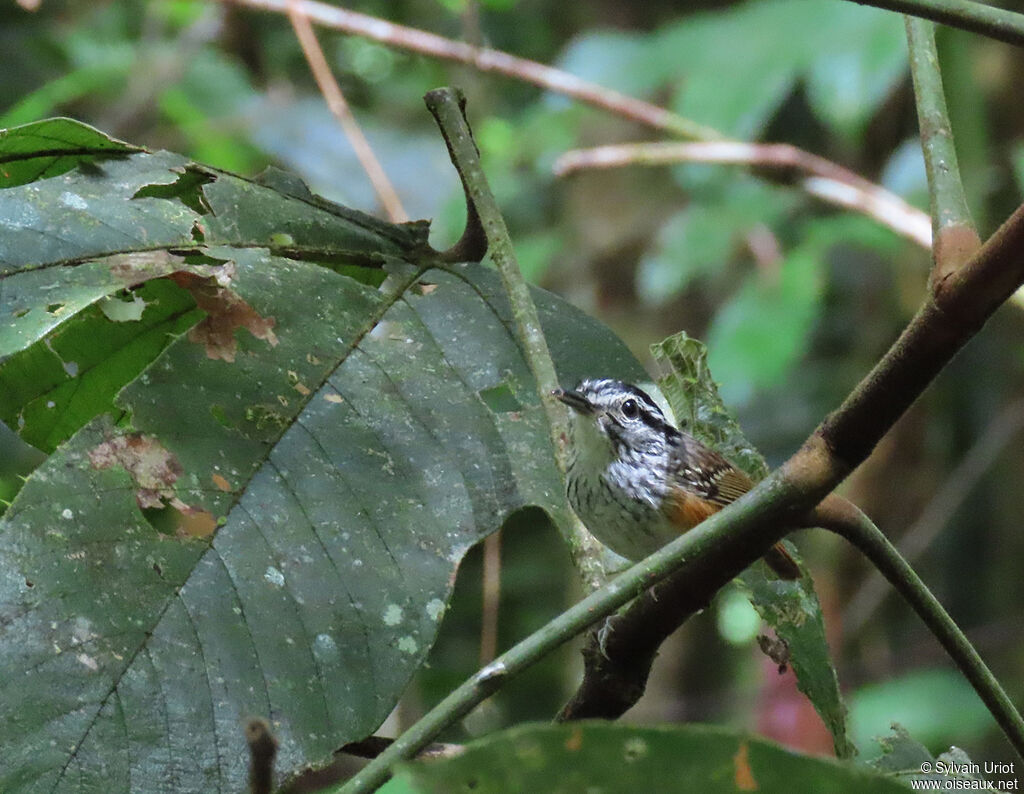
[795,298]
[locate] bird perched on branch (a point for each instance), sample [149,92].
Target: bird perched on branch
[636,481]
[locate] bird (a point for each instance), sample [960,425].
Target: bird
[638,482]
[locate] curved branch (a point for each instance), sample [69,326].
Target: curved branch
[987,20]
[842,517]
[822,178]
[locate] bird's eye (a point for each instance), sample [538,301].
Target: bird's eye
[631,409]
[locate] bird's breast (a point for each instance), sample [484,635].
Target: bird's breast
[631,523]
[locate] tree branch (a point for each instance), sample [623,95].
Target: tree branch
[824,179]
[987,20]
[844,518]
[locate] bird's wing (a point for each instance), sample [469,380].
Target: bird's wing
[702,470]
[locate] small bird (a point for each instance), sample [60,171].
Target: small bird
[636,481]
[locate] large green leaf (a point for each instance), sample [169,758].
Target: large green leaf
[613,758]
[271,522]
[791,608]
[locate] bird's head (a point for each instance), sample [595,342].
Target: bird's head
[611,417]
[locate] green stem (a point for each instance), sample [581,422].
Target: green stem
[954,236]
[993,22]
[447,106]
[862,533]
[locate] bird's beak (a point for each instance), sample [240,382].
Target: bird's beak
[574,400]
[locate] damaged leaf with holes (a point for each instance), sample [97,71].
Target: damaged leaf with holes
[261,486]
[52,388]
[62,232]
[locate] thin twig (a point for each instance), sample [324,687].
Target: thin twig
[871,199]
[996,23]
[956,238]
[488,60]
[343,113]
[956,487]
[825,179]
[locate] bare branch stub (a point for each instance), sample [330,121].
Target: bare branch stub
[472,246]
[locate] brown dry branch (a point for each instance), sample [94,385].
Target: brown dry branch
[343,113]
[819,177]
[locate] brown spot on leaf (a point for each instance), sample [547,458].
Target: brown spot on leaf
[193,522]
[155,470]
[226,311]
[743,775]
[426,289]
[776,649]
[220,482]
[135,268]
[333,398]
[575,740]
[151,465]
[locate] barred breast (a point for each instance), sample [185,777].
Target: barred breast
[630,527]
